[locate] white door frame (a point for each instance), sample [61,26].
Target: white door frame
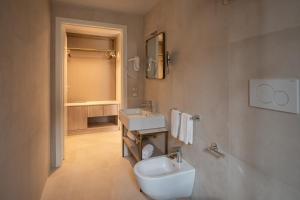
[60,30]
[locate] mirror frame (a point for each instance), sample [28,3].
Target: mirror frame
[164,55]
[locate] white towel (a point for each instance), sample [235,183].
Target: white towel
[186,129]
[175,123]
[147,151]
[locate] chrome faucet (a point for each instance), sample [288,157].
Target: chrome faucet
[147,105]
[177,153]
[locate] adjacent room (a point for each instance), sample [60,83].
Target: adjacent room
[91,83]
[150,100]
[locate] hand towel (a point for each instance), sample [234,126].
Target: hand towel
[186,129]
[175,123]
[147,151]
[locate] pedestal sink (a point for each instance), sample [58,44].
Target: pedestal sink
[138,119]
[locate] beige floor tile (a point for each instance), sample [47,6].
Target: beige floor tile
[93,170]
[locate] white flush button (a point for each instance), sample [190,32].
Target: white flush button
[275,94]
[264,93]
[281,98]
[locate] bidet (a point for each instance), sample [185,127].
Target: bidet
[162,178]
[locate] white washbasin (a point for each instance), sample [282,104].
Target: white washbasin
[162,178]
[139,119]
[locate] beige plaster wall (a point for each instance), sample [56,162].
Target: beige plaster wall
[216,49]
[24,102]
[135,44]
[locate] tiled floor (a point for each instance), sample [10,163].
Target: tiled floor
[93,170]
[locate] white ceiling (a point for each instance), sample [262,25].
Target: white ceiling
[140,7]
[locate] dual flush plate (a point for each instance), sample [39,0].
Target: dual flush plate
[276,94]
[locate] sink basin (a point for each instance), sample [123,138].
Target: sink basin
[138,119]
[162,178]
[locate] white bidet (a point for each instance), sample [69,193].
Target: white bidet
[162,178]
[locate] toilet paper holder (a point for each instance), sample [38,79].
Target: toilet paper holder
[214,150]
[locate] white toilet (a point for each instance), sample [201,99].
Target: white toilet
[163,179]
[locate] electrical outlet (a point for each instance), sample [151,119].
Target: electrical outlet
[134,91]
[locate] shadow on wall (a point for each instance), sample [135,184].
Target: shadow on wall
[209,198]
[204,198]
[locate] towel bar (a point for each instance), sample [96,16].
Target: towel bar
[194,117]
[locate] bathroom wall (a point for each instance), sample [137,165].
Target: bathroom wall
[135,45]
[91,75]
[24,102]
[215,50]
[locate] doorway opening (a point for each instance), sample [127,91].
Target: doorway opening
[90,79]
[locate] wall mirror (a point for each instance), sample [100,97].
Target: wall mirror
[155,55]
